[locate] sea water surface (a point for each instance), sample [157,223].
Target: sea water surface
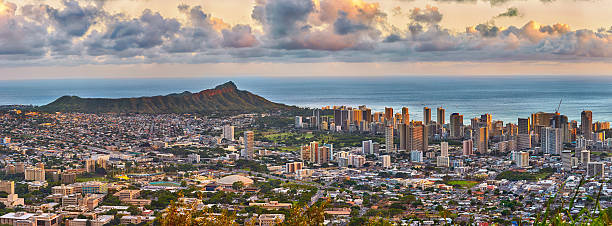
[506,98]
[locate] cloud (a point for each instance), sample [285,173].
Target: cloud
[429,15]
[510,12]
[82,32]
[74,19]
[282,18]
[128,38]
[344,26]
[239,36]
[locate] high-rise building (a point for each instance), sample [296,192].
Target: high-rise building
[585,157]
[522,159]
[90,165]
[35,174]
[388,114]
[416,137]
[316,118]
[323,155]
[456,125]
[228,132]
[305,153]
[293,167]
[487,120]
[389,138]
[560,121]
[405,115]
[523,126]
[540,120]
[376,147]
[595,169]
[566,160]
[426,115]
[68,178]
[442,161]
[402,130]
[314,151]
[416,156]
[298,122]
[440,116]
[598,126]
[386,161]
[7,186]
[366,147]
[468,147]
[483,140]
[586,124]
[524,134]
[551,140]
[444,149]
[249,144]
[367,115]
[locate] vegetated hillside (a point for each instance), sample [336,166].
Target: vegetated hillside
[223,98]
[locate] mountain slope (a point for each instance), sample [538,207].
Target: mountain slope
[223,98]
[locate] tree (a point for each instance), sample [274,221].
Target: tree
[134,210]
[238,185]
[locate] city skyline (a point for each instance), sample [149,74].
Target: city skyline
[130,38]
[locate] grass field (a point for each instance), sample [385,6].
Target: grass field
[281,136]
[462,183]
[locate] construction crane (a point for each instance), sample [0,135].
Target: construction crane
[557,110]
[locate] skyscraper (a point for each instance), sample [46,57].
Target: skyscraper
[440,116]
[468,147]
[456,125]
[522,159]
[249,144]
[389,138]
[487,119]
[585,157]
[560,121]
[551,140]
[314,151]
[426,115]
[405,115]
[388,114]
[298,122]
[316,115]
[402,130]
[483,140]
[444,149]
[586,124]
[524,134]
[416,156]
[523,126]
[595,169]
[366,147]
[386,161]
[416,137]
[323,155]
[367,115]
[337,116]
[228,132]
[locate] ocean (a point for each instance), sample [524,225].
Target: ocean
[506,98]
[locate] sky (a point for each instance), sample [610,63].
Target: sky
[187,38]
